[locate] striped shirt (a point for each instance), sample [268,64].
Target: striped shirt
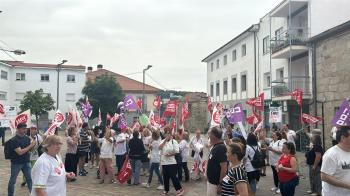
[84,144]
[234,176]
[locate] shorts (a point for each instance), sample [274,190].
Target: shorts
[82,154]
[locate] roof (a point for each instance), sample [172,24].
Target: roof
[230,43]
[333,31]
[127,84]
[36,65]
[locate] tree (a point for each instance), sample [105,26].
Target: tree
[37,102]
[104,93]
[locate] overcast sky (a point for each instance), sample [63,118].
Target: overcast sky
[127,35]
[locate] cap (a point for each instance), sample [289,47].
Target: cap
[21,125]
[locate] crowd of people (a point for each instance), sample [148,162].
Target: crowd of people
[235,164]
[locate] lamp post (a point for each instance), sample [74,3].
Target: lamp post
[58,69]
[143,86]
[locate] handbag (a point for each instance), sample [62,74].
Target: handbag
[126,171]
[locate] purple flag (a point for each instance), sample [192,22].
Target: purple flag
[235,114]
[342,117]
[122,122]
[87,109]
[129,103]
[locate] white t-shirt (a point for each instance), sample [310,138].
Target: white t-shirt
[146,141]
[336,163]
[106,148]
[194,141]
[184,148]
[155,153]
[249,155]
[34,154]
[274,157]
[291,135]
[170,147]
[49,173]
[120,148]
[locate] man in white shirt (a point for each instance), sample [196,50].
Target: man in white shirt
[291,135]
[335,170]
[120,149]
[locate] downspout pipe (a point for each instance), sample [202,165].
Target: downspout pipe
[255,80]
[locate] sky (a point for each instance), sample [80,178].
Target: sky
[127,35]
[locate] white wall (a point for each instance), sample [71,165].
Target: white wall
[5,85]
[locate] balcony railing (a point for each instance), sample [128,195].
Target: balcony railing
[296,36]
[284,86]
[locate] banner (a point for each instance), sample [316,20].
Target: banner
[297,95]
[257,102]
[275,115]
[157,103]
[8,113]
[170,109]
[253,119]
[310,119]
[56,122]
[184,112]
[341,117]
[235,114]
[217,116]
[129,103]
[23,117]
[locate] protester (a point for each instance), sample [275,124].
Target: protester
[197,139]
[314,160]
[49,174]
[236,181]
[2,135]
[136,152]
[95,148]
[71,160]
[263,144]
[275,151]
[155,161]
[253,173]
[120,149]
[107,147]
[20,145]
[217,162]
[184,151]
[83,148]
[169,147]
[291,135]
[287,170]
[335,170]
[146,138]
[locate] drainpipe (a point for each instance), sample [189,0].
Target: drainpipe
[314,82]
[255,63]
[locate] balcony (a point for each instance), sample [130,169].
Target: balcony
[289,43]
[287,7]
[282,87]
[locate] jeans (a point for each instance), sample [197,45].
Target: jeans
[119,160]
[136,165]
[288,188]
[169,172]
[275,176]
[252,178]
[15,169]
[315,180]
[155,167]
[183,166]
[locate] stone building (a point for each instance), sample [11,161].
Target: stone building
[331,67]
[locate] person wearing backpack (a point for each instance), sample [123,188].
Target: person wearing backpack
[253,161]
[17,149]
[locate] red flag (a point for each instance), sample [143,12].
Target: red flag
[257,102]
[170,109]
[2,109]
[157,102]
[173,124]
[126,171]
[297,94]
[114,119]
[210,105]
[259,127]
[184,112]
[139,103]
[253,119]
[310,119]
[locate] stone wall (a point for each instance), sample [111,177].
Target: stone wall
[332,75]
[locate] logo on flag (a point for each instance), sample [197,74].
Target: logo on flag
[56,122]
[86,108]
[122,122]
[24,117]
[257,102]
[310,119]
[129,103]
[235,114]
[170,109]
[297,95]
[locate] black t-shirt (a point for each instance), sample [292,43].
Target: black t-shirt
[22,142]
[311,155]
[217,155]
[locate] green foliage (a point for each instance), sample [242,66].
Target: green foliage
[104,93]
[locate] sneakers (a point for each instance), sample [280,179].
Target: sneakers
[180,192]
[81,173]
[146,185]
[273,189]
[278,191]
[164,193]
[160,187]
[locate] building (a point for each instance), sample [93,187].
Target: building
[128,85]
[274,56]
[18,77]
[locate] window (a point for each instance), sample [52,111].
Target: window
[4,75]
[217,89]
[234,85]
[278,33]
[266,44]
[280,74]
[267,80]
[44,77]
[234,55]
[211,90]
[244,50]
[212,67]
[217,64]
[20,76]
[70,97]
[225,87]
[70,78]
[3,95]
[19,96]
[225,60]
[244,82]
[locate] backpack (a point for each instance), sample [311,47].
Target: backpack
[8,151]
[258,160]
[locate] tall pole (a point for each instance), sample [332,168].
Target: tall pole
[323,129]
[143,90]
[59,67]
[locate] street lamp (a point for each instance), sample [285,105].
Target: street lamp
[58,69]
[143,86]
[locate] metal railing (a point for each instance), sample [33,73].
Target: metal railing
[284,86]
[295,36]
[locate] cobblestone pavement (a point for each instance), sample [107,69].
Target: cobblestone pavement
[89,185]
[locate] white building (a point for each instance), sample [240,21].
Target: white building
[18,77]
[278,57]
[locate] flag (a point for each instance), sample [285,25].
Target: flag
[139,103]
[216,116]
[253,119]
[297,95]
[114,119]
[2,110]
[86,108]
[72,121]
[78,118]
[259,127]
[342,116]
[275,115]
[235,114]
[184,112]
[129,103]
[23,117]
[152,119]
[122,124]
[242,129]
[56,122]
[173,124]
[99,121]
[310,119]
[257,102]
[170,109]
[210,105]
[157,102]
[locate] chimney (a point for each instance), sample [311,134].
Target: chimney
[89,69]
[99,66]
